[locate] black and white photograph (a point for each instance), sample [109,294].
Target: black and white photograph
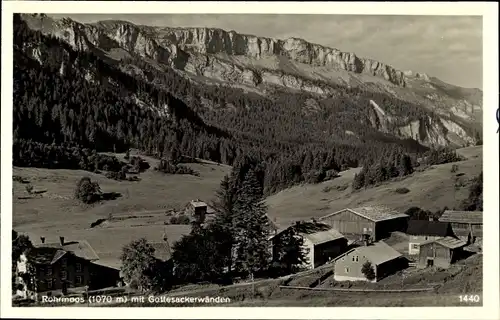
[268,159]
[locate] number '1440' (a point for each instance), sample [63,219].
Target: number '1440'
[470,298]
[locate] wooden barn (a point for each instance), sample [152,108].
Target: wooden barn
[377,222]
[440,253]
[420,231]
[467,225]
[321,243]
[383,258]
[197,209]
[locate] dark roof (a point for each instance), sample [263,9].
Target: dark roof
[80,248]
[427,228]
[44,255]
[314,231]
[474,217]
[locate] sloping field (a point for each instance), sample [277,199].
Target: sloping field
[432,189]
[140,211]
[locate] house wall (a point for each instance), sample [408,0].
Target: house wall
[349,223]
[441,256]
[477,230]
[392,266]
[348,268]
[69,265]
[462,230]
[415,241]
[102,276]
[328,250]
[196,212]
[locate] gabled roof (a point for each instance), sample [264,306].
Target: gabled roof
[323,236]
[198,203]
[316,232]
[448,242]
[373,213]
[44,255]
[80,248]
[428,228]
[474,217]
[377,253]
[162,250]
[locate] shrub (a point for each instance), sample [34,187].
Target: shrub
[167,166]
[368,271]
[342,187]
[87,191]
[29,188]
[180,219]
[327,189]
[454,168]
[402,190]
[19,179]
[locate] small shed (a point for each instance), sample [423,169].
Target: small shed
[420,231]
[467,225]
[376,221]
[440,253]
[197,209]
[383,258]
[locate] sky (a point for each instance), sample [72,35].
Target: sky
[447,47]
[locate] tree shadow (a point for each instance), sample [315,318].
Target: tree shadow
[105,196]
[97,222]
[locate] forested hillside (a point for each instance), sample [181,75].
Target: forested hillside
[67,100]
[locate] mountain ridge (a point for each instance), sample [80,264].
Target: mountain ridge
[258,64]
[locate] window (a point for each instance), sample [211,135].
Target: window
[78,267]
[49,283]
[357,258]
[49,271]
[353,258]
[426,237]
[414,245]
[79,280]
[63,275]
[346,270]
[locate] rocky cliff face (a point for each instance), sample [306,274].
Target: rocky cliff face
[251,61]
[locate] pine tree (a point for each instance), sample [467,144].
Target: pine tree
[251,227]
[290,253]
[224,217]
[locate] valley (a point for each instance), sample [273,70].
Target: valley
[155,148]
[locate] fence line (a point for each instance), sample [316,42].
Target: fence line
[358,290]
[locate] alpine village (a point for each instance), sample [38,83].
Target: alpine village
[158,161]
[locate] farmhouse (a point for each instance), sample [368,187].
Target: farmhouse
[420,231]
[383,259]
[440,253]
[321,243]
[467,225]
[377,222]
[60,266]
